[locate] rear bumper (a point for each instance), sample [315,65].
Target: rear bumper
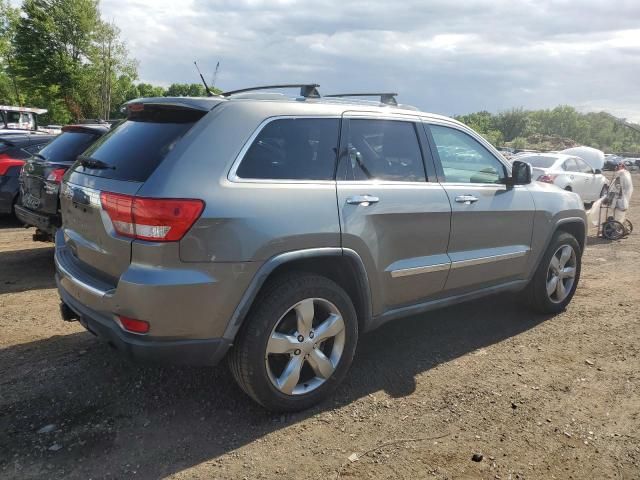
[140,347]
[38,220]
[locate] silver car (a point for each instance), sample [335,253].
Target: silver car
[274,231]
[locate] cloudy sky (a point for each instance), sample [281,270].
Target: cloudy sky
[443,56]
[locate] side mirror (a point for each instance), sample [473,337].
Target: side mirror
[597,171]
[521,173]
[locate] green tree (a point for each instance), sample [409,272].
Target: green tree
[512,123]
[9,16]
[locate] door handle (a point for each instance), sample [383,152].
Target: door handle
[364,200]
[466,199]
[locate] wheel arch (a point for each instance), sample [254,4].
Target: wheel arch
[343,266]
[575,227]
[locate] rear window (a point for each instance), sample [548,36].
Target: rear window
[67,146]
[135,148]
[540,162]
[293,149]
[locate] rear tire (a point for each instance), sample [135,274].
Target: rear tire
[284,357]
[544,294]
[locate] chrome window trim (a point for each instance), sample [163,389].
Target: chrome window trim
[233,176]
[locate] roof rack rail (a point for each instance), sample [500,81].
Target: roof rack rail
[307,90]
[386,97]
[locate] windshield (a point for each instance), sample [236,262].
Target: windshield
[540,162]
[67,146]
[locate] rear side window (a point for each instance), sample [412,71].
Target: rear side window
[293,149]
[133,149]
[540,162]
[382,150]
[67,146]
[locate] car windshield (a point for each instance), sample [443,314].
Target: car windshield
[540,162]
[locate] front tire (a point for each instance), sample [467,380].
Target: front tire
[556,279]
[297,343]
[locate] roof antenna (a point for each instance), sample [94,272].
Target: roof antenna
[206,87]
[215,75]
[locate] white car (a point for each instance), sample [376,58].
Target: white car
[569,173]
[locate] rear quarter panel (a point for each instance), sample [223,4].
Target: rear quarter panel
[242,221]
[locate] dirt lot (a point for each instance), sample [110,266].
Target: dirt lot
[537,397]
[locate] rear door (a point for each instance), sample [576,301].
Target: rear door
[491,224]
[119,162]
[393,212]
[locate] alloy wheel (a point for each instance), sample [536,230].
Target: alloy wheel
[561,274]
[305,346]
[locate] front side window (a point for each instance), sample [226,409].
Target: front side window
[293,149]
[583,166]
[382,150]
[464,159]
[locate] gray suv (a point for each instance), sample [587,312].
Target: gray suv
[276,230]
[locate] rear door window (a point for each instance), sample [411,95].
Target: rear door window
[66,147]
[134,149]
[382,150]
[293,149]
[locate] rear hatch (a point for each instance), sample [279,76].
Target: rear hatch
[42,174]
[98,191]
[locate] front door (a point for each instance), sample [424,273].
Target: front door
[393,212]
[491,223]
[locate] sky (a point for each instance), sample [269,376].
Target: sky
[443,56]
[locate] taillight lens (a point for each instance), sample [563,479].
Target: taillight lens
[56,175]
[6,162]
[134,325]
[154,219]
[547,178]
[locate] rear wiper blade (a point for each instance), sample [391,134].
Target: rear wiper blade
[94,163]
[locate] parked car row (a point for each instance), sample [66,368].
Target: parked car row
[15,149]
[42,174]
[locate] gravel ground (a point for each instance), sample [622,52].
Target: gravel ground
[534,396]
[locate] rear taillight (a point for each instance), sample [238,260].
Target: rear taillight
[547,178]
[154,219]
[56,175]
[6,162]
[133,325]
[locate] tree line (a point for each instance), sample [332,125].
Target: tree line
[62,56]
[554,129]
